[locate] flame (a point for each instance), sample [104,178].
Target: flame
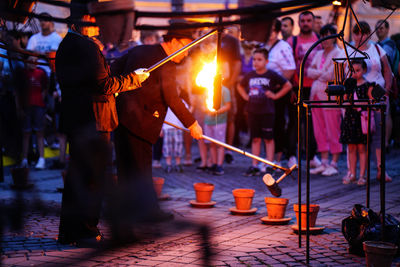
[205,79]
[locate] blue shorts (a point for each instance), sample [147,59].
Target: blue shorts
[34,119]
[261,125]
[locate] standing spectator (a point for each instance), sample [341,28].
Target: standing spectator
[300,44]
[287,28]
[378,71]
[392,53]
[260,88]
[230,50]
[215,127]
[34,110]
[281,60]
[173,142]
[326,121]
[351,133]
[46,40]
[317,25]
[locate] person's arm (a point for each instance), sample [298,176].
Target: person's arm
[387,73]
[106,83]
[313,72]
[288,74]
[242,92]
[285,89]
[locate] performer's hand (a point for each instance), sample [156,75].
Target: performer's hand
[196,131]
[142,74]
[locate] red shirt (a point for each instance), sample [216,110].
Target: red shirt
[37,83]
[301,48]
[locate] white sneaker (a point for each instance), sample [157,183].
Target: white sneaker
[320,169]
[330,170]
[24,163]
[262,166]
[41,164]
[292,161]
[315,162]
[156,164]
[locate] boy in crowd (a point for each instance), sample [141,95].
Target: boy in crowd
[215,123]
[34,110]
[261,88]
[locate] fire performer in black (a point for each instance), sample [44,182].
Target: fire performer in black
[88,114]
[141,114]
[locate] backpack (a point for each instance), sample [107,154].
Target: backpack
[395,63]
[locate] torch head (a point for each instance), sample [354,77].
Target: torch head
[272,186]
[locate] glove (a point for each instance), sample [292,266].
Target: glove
[195,130]
[142,74]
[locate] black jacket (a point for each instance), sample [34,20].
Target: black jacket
[143,111]
[87,86]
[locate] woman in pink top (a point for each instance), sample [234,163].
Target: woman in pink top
[326,121]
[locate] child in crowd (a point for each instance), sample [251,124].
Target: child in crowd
[260,88]
[215,127]
[173,142]
[351,133]
[34,110]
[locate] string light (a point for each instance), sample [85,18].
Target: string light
[336,3]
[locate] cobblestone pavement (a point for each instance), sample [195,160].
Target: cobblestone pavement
[234,240]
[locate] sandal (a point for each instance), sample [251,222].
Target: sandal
[388,179]
[349,178]
[361,181]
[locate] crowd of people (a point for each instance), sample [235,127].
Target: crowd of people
[80,97]
[38,96]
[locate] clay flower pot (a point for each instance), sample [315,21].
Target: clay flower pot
[243,198]
[158,183]
[203,192]
[314,208]
[276,207]
[20,176]
[379,253]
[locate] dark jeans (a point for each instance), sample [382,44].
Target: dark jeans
[84,185]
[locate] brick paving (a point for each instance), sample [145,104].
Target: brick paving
[234,240]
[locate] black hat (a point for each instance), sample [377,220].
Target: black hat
[177,31]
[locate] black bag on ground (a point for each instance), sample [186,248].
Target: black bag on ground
[365,225]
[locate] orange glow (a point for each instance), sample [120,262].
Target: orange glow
[205,78]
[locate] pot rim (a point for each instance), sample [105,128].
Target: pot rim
[243,192]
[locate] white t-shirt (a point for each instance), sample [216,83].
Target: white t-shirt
[374,68]
[280,57]
[42,44]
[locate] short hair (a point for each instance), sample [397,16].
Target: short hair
[276,26]
[385,22]
[328,29]
[147,33]
[290,19]
[45,15]
[364,28]
[307,12]
[359,62]
[262,51]
[318,17]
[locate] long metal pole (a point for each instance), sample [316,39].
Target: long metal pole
[383,168]
[368,157]
[180,51]
[247,154]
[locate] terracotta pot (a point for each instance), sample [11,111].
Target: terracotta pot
[379,253]
[20,176]
[158,183]
[203,192]
[276,207]
[243,198]
[314,208]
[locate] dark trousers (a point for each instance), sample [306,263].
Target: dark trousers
[303,127]
[135,182]
[157,149]
[84,186]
